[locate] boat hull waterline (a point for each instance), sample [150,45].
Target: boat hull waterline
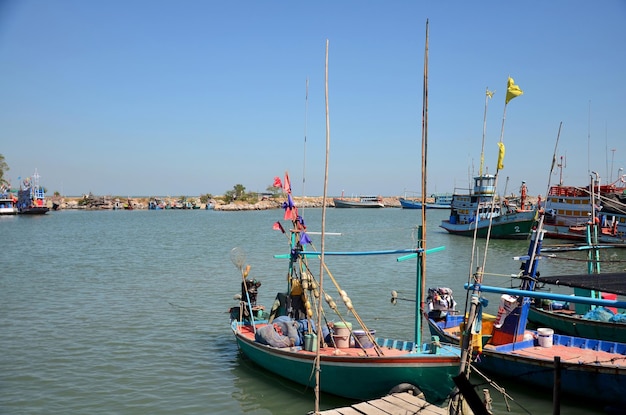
[503,227]
[590,368]
[350,373]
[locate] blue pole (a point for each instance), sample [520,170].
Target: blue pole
[549,296]
[418,294]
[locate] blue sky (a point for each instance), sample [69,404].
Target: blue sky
[153,97]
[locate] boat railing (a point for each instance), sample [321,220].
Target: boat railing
[569,191]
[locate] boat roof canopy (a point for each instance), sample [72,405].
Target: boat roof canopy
[612,282]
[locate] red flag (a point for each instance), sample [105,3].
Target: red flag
[278,227]
[287,184]
[277,182]
[291,213]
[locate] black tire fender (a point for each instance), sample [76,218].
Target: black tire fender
[407,387]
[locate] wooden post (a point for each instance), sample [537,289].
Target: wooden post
[556,392]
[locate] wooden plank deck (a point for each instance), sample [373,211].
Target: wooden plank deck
[395,404]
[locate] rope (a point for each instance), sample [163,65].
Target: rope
[500,390]
[350,307]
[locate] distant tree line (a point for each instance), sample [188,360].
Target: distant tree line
[238,193]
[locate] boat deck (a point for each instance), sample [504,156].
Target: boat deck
[571,355]
[568,354]
[388,351]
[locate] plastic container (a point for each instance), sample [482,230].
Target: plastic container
[361,339]
[341,334]
[544,337]
[310,342]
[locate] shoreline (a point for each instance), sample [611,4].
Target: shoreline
[142,203]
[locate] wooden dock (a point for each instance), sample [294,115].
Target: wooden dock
[396,404]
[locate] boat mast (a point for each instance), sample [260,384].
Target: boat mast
[321,284]
[306,114]
[421,257]
[488,94]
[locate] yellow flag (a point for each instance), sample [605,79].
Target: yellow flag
[501,155]
[490,93]
[512,90]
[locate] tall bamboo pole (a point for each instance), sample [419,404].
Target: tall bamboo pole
[420,305]
[321,284]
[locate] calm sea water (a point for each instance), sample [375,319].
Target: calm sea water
[124,312]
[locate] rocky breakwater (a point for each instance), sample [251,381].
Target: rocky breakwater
[301,202]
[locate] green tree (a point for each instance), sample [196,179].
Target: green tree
[237,193]
[229,196]
[274,190]
[240,191]
[205,198]
[4,167]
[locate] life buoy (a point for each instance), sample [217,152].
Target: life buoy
[407,387]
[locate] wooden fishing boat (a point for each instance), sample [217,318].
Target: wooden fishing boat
[360,202]
[581,319]
[576,321]
[588,368]
[439,201]
[369,368]
[357,373]
[479,209]
[295,340]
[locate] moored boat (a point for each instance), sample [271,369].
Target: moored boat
[588,368]
[568,322]
[570,208]
[297,342]
[156,203]
[8,201]
[478,208]
[580,319]
[369,368]
[360,202]
[31,197]
[439,201]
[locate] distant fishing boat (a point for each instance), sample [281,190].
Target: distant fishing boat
[31,197]
[479,209]
[361,202]
[569,209]
[477,212]
[8,201]
[156,203]
[440,201]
